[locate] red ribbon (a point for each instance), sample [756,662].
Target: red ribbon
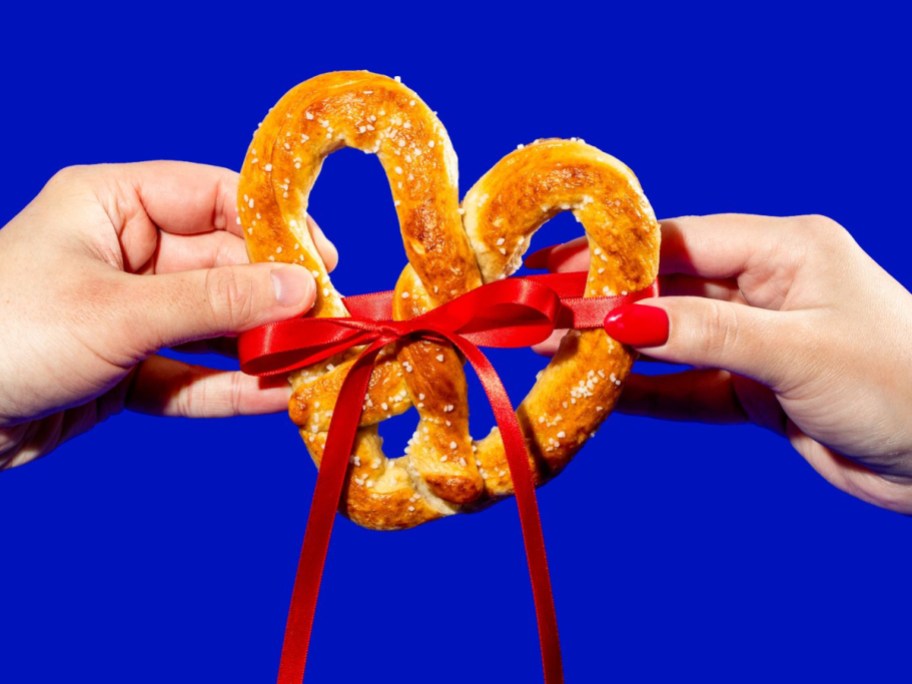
[516,312]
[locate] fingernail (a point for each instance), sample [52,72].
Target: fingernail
[638,325]
[294,286]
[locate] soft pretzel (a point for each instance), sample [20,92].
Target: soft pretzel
[451,250]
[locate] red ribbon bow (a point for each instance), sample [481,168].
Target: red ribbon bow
[516,312]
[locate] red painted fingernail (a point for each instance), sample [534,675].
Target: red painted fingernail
[638,325]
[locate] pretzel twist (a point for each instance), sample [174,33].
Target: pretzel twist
[451,250]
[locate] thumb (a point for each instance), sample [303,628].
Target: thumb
[198,304]
[708,332]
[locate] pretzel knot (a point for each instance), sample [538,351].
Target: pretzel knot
[451,249]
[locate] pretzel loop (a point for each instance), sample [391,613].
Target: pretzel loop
[451,250]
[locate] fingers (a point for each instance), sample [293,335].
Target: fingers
[166,387]
[669,286]
[689,286]
[148,200]
[179,307]
[704,395]
[327,249]
[702,319]
[720,245]
[851,476]
[186,252]
[178,253]
[143,200]
[549,346]
[224,346]
[711,333]
[715,246]
[570,256]
[177,197]
[700,395]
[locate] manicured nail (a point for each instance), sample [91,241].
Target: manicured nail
[638,325]
[294,285]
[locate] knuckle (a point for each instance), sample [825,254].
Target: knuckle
[820,227]
[720,329]
[71,172]
[190,395]
[223,207]
[236,394]
[230,251]
[230,298]
[67,176]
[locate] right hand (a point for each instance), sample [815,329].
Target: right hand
[790,325]
[109,264]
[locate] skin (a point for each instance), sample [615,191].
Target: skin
[789,325]
[108,265]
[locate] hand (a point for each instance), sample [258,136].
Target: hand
[108,265]
[790,325]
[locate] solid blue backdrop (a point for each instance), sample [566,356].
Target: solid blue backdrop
[154,550]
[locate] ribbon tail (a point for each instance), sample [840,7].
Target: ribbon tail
[530,521]
[325,502]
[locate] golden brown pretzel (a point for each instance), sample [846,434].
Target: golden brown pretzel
[451,250]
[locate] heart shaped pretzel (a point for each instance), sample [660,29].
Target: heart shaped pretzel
[451,249]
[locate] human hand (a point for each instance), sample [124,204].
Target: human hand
[789,325]
[109,264]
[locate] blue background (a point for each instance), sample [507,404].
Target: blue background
[154,550]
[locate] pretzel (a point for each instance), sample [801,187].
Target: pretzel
[451,249]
